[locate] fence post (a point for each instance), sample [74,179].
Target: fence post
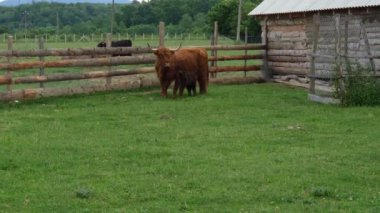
[109,44]
[265,70]
[9,58]
[214,42]
[42,58]
[338,57]
[161,29]
[245,51]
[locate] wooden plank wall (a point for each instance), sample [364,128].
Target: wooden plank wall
[362,26]
[288,45]
[290,41]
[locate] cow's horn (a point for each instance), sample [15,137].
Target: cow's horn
[180,45]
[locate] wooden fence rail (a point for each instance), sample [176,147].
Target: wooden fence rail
[98,57]
[75,76]
[112,50]
[109,61]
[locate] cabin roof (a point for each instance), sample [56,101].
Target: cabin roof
[271,7]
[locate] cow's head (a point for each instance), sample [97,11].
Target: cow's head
[163,60]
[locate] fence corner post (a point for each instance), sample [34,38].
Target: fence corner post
[214,53]
[245,51]
[41,47]
[316,23]
[161,30]
[108,45]
[265,70]
[9,58]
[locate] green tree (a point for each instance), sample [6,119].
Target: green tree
[225,13]
[200,24]
[186,24]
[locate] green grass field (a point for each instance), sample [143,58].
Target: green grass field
[240,148]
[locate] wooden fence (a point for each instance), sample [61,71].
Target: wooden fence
[95,57]
[96,37]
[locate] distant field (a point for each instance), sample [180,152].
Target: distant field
[246,148]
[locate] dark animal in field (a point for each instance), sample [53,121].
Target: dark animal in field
[120,43]
[185,66]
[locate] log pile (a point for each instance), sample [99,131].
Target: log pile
[288,50]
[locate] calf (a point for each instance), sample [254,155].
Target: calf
[188,81]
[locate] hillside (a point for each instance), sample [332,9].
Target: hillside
[10,3]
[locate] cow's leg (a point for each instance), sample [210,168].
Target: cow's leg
[164,92]
[182,86]
[175,89]
[188,87]
[202,86]
[164,89]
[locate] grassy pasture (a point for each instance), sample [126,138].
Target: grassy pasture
[240,148]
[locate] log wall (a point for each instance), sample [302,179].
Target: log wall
[289,40]
[288,45]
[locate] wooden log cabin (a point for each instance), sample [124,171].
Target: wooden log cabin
[309,39]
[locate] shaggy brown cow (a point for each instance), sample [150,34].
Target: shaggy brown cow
[184,66]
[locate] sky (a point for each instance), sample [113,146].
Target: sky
[137,0]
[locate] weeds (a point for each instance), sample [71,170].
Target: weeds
[358,88]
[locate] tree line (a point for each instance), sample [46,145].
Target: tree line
[180,16]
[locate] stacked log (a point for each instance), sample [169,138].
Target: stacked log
[288,51]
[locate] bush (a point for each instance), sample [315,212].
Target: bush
[360,87]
